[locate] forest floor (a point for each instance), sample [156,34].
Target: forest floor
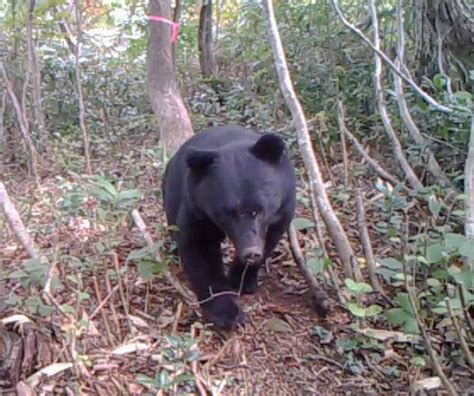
[115,323]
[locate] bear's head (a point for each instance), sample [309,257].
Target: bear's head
[241,189]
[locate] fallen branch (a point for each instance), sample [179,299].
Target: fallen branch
[321,300]
[180,288]
[16,224]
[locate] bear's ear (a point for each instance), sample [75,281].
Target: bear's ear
[269,147]
[200,159]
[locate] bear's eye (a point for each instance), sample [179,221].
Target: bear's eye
[253,214]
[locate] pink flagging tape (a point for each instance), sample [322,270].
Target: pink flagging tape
[174,25]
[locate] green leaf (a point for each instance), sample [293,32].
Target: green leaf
[417,361]
[411,326]
[358,287]
[148,268]
[301,223]
[373,310]
[139,254]
[433,282]
[18,274]
[396,316]
[434,205]
[439,81]
[391,263]
[434,253]
[68,309]
[404,301]
[316,265]
[145,380]
[356,310]
[461,243]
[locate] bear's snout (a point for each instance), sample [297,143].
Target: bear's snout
[252,255]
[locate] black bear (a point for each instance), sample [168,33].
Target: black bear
[228,181]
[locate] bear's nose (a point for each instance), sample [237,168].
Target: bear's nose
[252,255]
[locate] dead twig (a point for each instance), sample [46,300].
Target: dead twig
[459,332]
[121,293]
[367,244]
[321,299]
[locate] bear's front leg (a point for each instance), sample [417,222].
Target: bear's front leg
[202,262]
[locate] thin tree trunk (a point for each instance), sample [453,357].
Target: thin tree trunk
[380,95]
[35,71]
[23,123]
[333,225]
[206,55]
[469,189]
[82,109]
[167,104]
[413,130]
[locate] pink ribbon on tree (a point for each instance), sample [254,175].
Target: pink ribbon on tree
[174,25]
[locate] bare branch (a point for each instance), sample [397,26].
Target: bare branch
[333,225]
[373,163]
[379,92]
[433,165]
[459,333]
[382,55]
[367,244]
[321,302]
[23,122]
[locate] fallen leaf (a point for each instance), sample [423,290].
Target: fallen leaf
[48,371]
[385,335]
[278,326]
[130,348]
[427,384]
[138,322]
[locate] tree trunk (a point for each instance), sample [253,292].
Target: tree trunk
[174,123]
[449,20]
[206,55]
